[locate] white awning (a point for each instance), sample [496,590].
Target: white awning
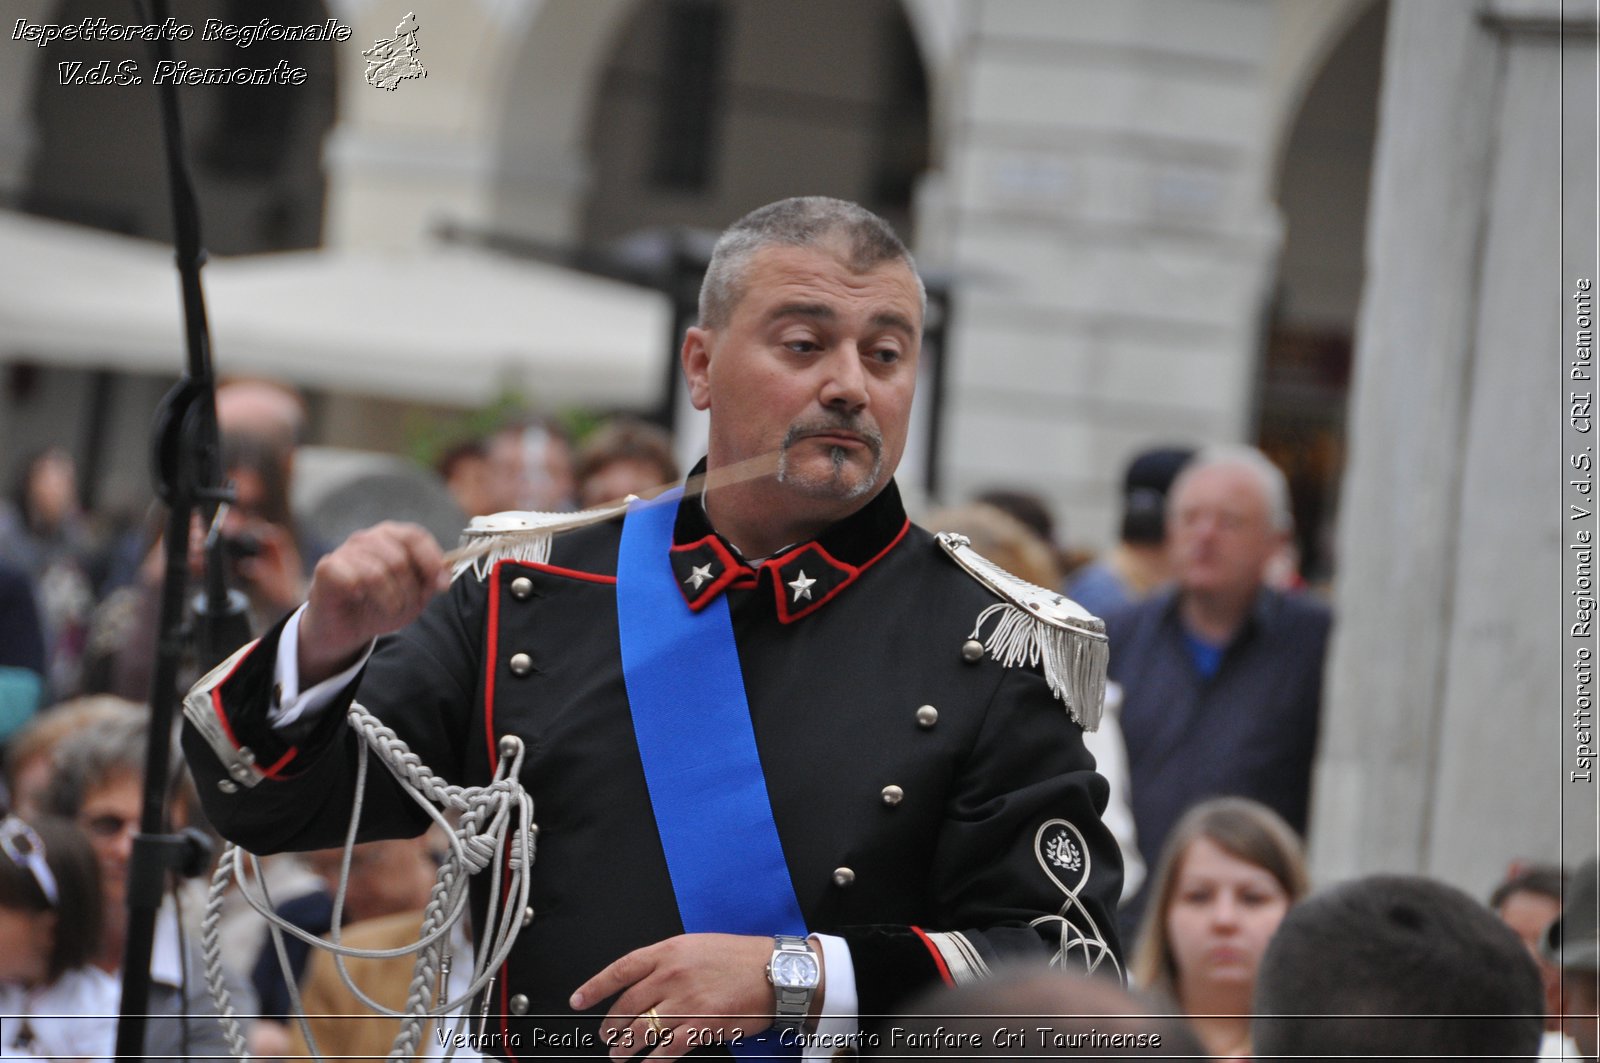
[452,325]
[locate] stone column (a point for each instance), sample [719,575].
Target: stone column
[1101,205]
[1444,735]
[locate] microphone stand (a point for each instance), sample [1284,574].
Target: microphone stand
[186,468]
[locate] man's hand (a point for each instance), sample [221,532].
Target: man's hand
[705,988]
[376,582]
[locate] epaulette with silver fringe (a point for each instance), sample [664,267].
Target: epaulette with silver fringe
[1040,628]
[520,535]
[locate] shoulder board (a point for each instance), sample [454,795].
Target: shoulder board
[520,535]
[1036,626]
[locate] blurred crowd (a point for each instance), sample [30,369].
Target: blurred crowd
[1217,654]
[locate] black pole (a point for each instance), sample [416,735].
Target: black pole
[186,467]
[939,334]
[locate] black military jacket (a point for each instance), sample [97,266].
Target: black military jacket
[990,847]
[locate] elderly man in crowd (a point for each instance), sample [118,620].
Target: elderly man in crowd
[779,780]
[1139,564]
[97,783]
[1221,675]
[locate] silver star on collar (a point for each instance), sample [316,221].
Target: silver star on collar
[802,587]
[699,574]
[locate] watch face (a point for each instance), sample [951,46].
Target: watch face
[794,970]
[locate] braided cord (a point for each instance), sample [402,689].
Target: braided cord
[495,828]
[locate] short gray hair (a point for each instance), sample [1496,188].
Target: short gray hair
[804,221]
[1274,485]
[89,759]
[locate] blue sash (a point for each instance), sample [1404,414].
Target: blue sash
[701,766]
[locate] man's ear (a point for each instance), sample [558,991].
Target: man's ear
[696,358]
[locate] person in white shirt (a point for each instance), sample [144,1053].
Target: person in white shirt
[53,1000]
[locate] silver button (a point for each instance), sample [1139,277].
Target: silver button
[521,664]
[227,786]
[843,876]
[927,716]
[247,754]
[972,651]
[893,795]
[527,915]
[510,745]
[522,588]
[239,772]
[519,1004]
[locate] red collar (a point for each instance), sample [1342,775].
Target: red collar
[803,577]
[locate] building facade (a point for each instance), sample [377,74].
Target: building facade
[1152,217]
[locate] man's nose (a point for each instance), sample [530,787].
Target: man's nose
[846,383]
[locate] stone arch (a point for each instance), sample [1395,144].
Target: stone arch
[1320,181]
[709,108]
[540,173]
[553,63]
[1311,33]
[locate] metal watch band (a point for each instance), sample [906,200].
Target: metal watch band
[793,1004]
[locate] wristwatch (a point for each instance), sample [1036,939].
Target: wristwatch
[794,973]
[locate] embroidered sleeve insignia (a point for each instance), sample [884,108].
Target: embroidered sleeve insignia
[1064,857]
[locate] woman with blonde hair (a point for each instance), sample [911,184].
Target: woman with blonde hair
[1228,873]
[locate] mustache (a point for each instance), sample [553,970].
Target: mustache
[836,424]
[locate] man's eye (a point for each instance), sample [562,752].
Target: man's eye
[802,346]
[886,355]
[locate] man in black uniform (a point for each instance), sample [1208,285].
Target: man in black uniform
[790,638]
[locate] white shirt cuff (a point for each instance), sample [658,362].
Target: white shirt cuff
[289,702]
[837,1025]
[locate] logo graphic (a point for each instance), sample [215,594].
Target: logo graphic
[394,60]
[1061,852]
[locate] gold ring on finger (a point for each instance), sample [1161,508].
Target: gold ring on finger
[654,1021]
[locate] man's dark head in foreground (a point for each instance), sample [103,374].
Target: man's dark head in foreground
[1573,943]
[1031,1014]
[1396,967]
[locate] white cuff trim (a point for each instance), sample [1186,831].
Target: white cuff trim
[289,702]
[838,1022]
